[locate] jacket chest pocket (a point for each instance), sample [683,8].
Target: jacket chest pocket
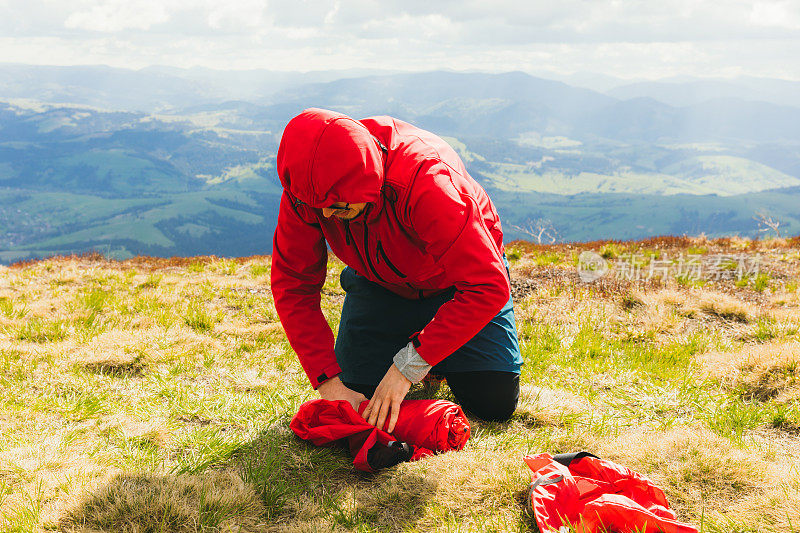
[377,260]
[405,263]
[381,257]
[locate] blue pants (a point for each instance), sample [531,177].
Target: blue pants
[376,323]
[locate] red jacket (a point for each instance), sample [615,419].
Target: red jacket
[427,226]
[594,495]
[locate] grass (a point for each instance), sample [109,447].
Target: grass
[152,281]
[513,254]
[39,330]
[259,269]
[198,318]
[761,282]
[155,396]
[196,267]
[611,250]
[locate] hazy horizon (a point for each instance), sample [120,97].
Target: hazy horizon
[568,77]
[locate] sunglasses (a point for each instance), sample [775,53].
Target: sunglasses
[340,209]
[337,209]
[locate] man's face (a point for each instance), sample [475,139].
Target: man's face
[343,210]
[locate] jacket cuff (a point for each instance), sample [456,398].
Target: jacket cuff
[330,371]
[422,349]
[411,364]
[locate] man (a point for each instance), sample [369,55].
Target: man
[427,286]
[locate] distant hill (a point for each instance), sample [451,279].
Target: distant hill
[151,89]
[682,93]
[74,179]
[490,105]
[201,180]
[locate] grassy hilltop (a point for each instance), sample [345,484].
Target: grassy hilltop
[155,395]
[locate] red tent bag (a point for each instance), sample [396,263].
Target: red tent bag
[423,428]
[594,495]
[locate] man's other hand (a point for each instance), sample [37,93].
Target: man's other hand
[334,389]
[387,398]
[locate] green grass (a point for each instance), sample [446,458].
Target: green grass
[152,282]
[513,254]
[259,269]
[547,258]
[611,250]
[733,417]
[783,416]
[225,266]
[696,250]
[198,318]
[96,300]
[196,267]
[761,282]
[27,517]
[41,331]
[163,313]
[204,447]
[11,310]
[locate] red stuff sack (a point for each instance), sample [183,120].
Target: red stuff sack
[423,428]
[594,495]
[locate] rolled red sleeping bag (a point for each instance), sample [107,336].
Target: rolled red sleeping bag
[423,428]
[438,425]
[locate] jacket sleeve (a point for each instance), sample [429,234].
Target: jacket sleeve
[450,224]
[299,264]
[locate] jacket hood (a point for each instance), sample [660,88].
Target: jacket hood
[326,157]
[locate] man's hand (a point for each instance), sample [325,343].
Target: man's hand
[387,398]
[334,389]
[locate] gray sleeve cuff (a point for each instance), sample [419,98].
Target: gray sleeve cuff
[411,364]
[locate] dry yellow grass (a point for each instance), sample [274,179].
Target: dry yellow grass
[136,503]
[764,372]
[703,473]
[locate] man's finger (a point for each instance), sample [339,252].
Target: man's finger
[375,413]
[393,417]
[365,414]
[368,409]
[382,417]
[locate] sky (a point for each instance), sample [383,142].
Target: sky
[632,39]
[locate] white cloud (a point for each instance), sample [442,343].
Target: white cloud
[237,15]
[111,16]
[298,34]
[776,14]
[432,28]
[618,37]
[330,16]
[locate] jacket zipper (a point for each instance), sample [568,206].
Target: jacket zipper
[366,254]
[388,263]
[348,237]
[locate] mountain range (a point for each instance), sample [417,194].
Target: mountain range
[181,162]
